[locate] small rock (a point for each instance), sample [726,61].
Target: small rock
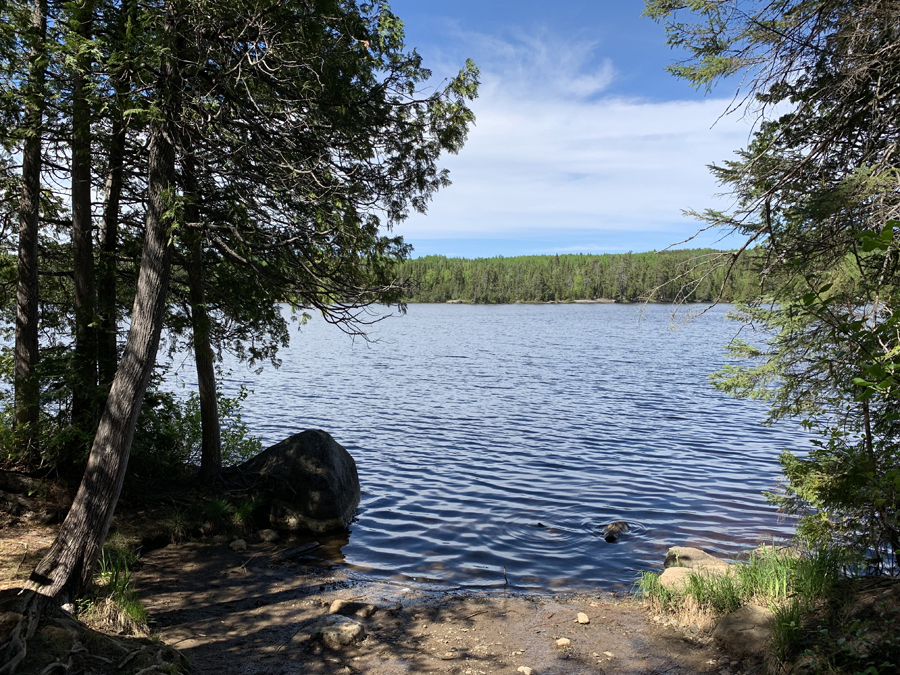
[525,670]
[447,656]
[50,516]
[609,655]
[338,631]
[583,618]
[563,642]
[268,535]
[746,631]
[348,607]
[238,545]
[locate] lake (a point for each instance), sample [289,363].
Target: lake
[492,438]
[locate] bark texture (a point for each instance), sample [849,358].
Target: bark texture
[84,393]
[211,449]
[67,567]
[107,339]
[27,394]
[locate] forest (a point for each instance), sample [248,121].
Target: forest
[690,275]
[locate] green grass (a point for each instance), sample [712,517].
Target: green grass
[115,604]
[768,578]
[809,594]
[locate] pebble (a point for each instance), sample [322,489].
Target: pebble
[525,670]
[238,545]
[609,655]
[583,618]
[563,642]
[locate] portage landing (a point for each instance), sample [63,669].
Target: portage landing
[256,613]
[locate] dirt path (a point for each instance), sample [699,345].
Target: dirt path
[251,614]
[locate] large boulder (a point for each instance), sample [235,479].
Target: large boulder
[309,481]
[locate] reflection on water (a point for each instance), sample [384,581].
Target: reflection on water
[471,425]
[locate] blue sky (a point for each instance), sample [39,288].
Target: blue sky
[583,142]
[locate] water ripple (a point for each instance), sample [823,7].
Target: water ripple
[494,442]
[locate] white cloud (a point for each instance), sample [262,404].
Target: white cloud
[551,150]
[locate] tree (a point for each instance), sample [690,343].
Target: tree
[303,125]
[815,189]
[27,390]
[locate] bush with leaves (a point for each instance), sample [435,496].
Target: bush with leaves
[815,193]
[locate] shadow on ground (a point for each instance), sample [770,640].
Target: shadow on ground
[255,614]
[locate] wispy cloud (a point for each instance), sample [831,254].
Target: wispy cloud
[552,149]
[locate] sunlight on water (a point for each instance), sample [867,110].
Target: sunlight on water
[492,438]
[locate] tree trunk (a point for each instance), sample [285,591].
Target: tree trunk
[67,567]
[211,446]
[27,388]
[107,347]
[211,449]
[84,394]
[107,302]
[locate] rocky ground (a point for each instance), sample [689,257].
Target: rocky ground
[256,612]
[271,609]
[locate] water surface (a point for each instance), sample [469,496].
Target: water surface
[492,438]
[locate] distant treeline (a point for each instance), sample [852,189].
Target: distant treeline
[693,275]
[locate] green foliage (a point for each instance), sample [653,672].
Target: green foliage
[238,444]
[815,191]
[218,511]
[696,275]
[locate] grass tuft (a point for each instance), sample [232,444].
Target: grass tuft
[115,604]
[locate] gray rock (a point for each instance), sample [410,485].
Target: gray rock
[268,535]
[675,577]
[238,545]
[685,556]
[309,480]
[745,632]
[682,561]
[338,631]
[348,607]
[50,516]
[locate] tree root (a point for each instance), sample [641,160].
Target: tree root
[32,608]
